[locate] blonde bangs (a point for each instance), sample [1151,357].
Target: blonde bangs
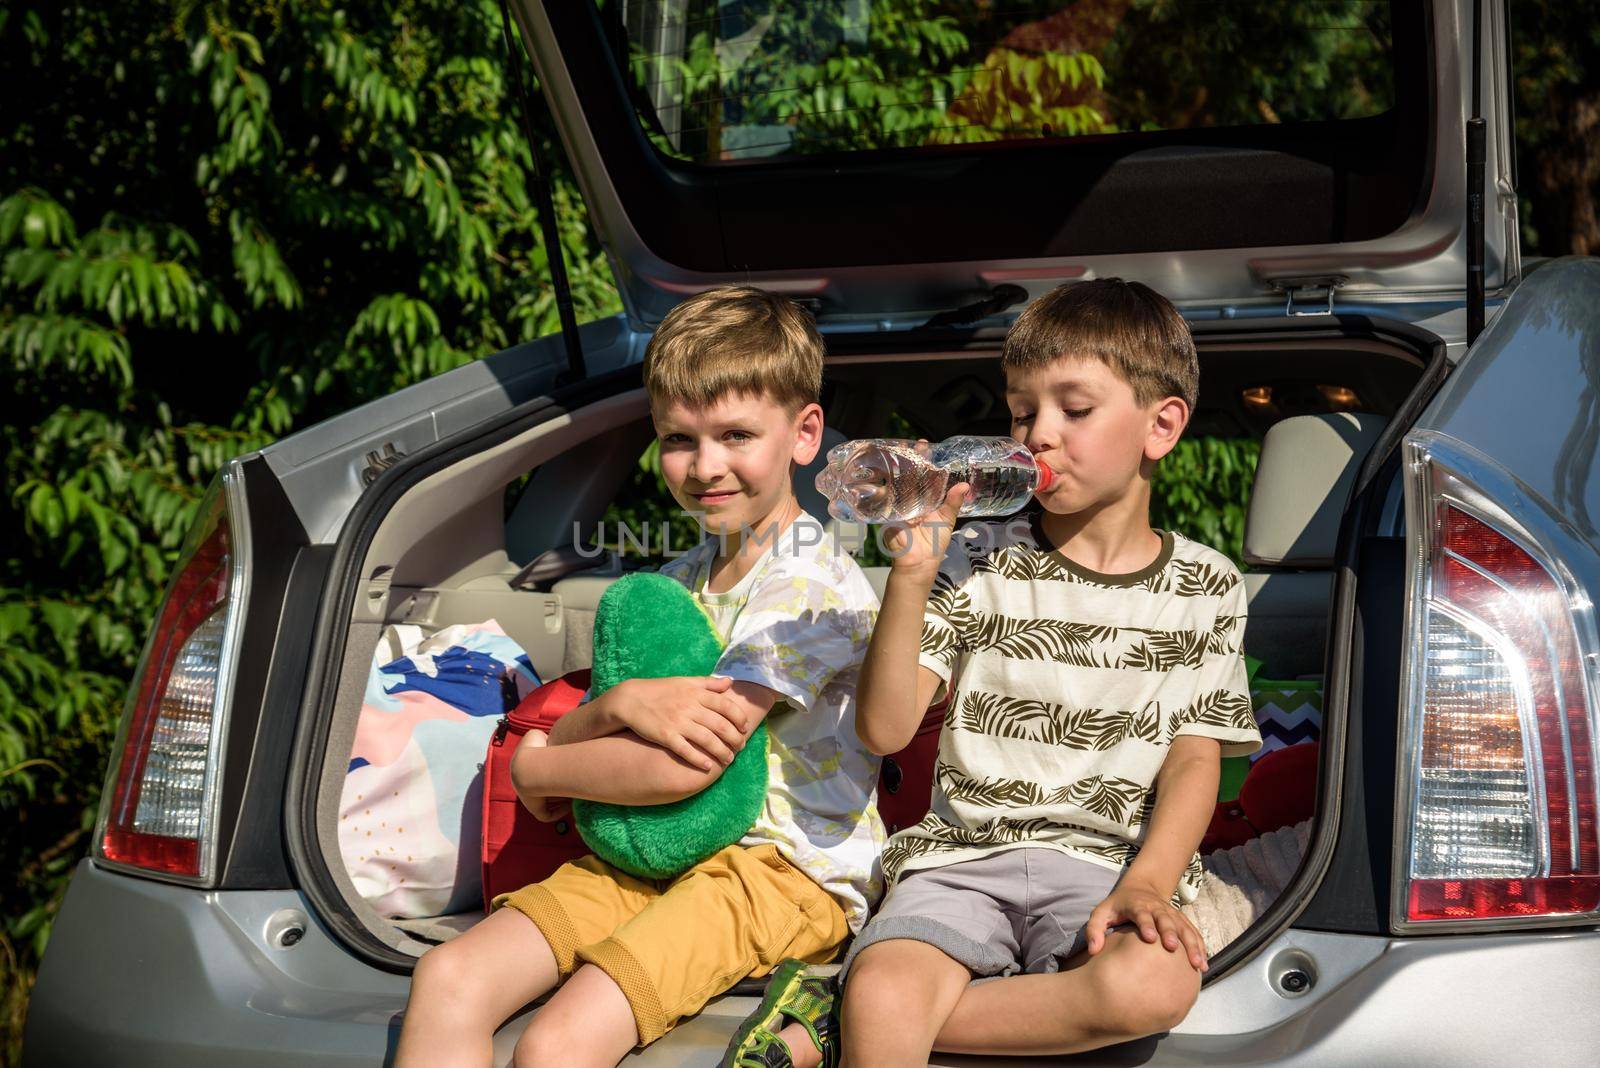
[735,340]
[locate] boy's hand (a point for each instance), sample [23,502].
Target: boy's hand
[1152,915]
[691,717]
[917,547]
[544,809]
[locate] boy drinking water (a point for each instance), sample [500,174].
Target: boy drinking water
[1101,679]
[733,377]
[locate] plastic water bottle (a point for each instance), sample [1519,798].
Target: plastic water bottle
[889,480]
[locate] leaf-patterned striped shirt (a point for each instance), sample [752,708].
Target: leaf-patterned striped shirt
[1069,688]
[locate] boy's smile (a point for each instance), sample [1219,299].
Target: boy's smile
[713,498]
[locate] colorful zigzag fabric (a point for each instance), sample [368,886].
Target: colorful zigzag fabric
[1288,712]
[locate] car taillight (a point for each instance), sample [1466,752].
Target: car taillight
[1497,784]
[158,808]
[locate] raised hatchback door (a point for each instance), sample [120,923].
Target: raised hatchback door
[888,159]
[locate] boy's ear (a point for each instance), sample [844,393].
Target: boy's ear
[1167,421]
[807,433]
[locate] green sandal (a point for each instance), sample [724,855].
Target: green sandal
[793,993]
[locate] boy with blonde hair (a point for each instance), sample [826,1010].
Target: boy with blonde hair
[733,377]
[1100,680]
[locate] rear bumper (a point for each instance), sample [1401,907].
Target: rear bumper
[142,973]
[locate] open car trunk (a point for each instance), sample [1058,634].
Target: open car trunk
[443,541]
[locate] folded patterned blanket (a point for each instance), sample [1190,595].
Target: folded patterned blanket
[411,797]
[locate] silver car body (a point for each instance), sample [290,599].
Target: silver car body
[145,972]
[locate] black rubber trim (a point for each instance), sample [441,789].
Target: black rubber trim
[1342,326]
[1388,443]
[1353,897]
[249,843]
[326,653]
[1336,807]
[986,339]
[259,856]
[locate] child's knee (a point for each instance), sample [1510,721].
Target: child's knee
[559,1038]
[874,969]
[1171,1001]
[1148,992]
[444,971]
[894,978]
[541,1046]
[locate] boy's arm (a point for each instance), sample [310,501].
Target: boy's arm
[1186,795]
[895,688]
[623,768]
[798,630]
[691,716]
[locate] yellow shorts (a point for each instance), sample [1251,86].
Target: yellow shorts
[674,945]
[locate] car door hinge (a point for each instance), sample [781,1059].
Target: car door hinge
[378,463]
[1301,296]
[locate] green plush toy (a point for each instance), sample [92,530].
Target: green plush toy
[647,626]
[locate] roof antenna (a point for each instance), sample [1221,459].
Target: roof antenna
[1476,140]
[576,371]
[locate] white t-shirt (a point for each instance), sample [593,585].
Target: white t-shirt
[798,623]
[1069,688]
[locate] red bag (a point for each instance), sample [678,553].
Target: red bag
[1279,791]
[905,782]
[518,849]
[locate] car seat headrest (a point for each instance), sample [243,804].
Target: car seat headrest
[1303,481]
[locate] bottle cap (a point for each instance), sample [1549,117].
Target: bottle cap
[1046,476]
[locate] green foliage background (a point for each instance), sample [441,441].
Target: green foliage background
[223,220]
[221,223]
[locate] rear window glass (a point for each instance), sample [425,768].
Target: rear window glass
[725,80]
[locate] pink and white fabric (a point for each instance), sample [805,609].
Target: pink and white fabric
[412,796]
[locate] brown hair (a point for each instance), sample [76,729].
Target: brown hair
[1126,325]
[735,339]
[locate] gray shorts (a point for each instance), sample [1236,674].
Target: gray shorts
[1022,910]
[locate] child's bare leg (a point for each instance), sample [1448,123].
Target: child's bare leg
[464,989]
[897,996]
[802,1051]
[1128,990]
[588,1022]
